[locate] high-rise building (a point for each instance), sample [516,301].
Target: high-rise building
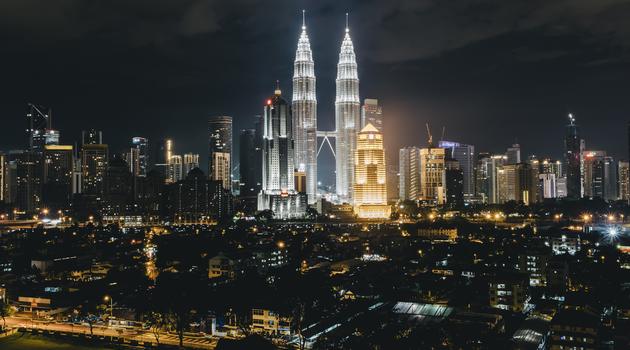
[39,122]
[516,183]
[611,182]
[91,137]
[454,182]
[465,155]
[488,179]
[247,162]
[347,118]
[220,150]
[432,175]
[372,113]
[94,161]
[548,184]
[305,114]
[176,168]
[28,181]
[57,179]
[3,177]
[593,173]
[138,157]
[190,162]
[624,180]
[572,159]
[278,184]
[409,173]
[370,189]
[513,154]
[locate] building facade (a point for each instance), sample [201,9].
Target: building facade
[347,118]
[432,175]
[305,114]
[278,187]
[370,190]
[409,173]
[220,150]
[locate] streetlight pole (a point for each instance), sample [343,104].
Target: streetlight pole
[111,305]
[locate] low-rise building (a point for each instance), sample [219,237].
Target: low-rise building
[270,322]
[571,329]
[509,292]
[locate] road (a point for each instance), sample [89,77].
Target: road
[102,331]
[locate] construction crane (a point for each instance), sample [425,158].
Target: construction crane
[430,136]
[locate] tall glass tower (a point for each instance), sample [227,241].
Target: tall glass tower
[572,159]
[347,117]
[305,113]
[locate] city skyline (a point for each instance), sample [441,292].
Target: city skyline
[566,71]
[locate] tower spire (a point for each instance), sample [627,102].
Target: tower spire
[278,91]
[303,19]
[347,28]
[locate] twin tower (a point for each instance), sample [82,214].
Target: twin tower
[290,134]
[347,115]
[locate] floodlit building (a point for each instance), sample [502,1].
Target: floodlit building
[432,174]
[278,188]
[305,114]
[190,162]
[409,173]
[220,150]
[370,190]
[347,118]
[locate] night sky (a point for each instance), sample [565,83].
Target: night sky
[491,72]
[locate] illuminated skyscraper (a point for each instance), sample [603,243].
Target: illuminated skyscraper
[94,161]
[432,174]
[572,159]
[409,173]
[305,113]
[138,157]
[370,189]
[2,177]
[513,154]
[220,150]
[465,155]
[624,180]
[91,137]
[176,167]
[347,117]
[372,113]
[190,162]
[278,187]
[39,122]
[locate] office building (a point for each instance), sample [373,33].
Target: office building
[278,192]
[57,177]
[347,118]
[548,185]
[3,177]
[409,173]
[94,162]
[248,164]
[611,181]
[593,181]
[190,162]
[176,168]
[513,154]
[572,159]
[372,113]
[28,181]
[486,177]
[138,157]
[454,183]
[305,114]
[624,180]
[91,137]
[370,189]
[432,175]
[465,155]
[220,150]
[38,123]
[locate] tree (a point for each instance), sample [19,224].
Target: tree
[180,296]
[5,311]
[265,215]
[156,321]
[90,312]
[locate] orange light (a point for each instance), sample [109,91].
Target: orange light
[268,102]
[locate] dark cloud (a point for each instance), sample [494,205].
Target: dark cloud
[489,70]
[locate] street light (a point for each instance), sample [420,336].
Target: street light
[111,305]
